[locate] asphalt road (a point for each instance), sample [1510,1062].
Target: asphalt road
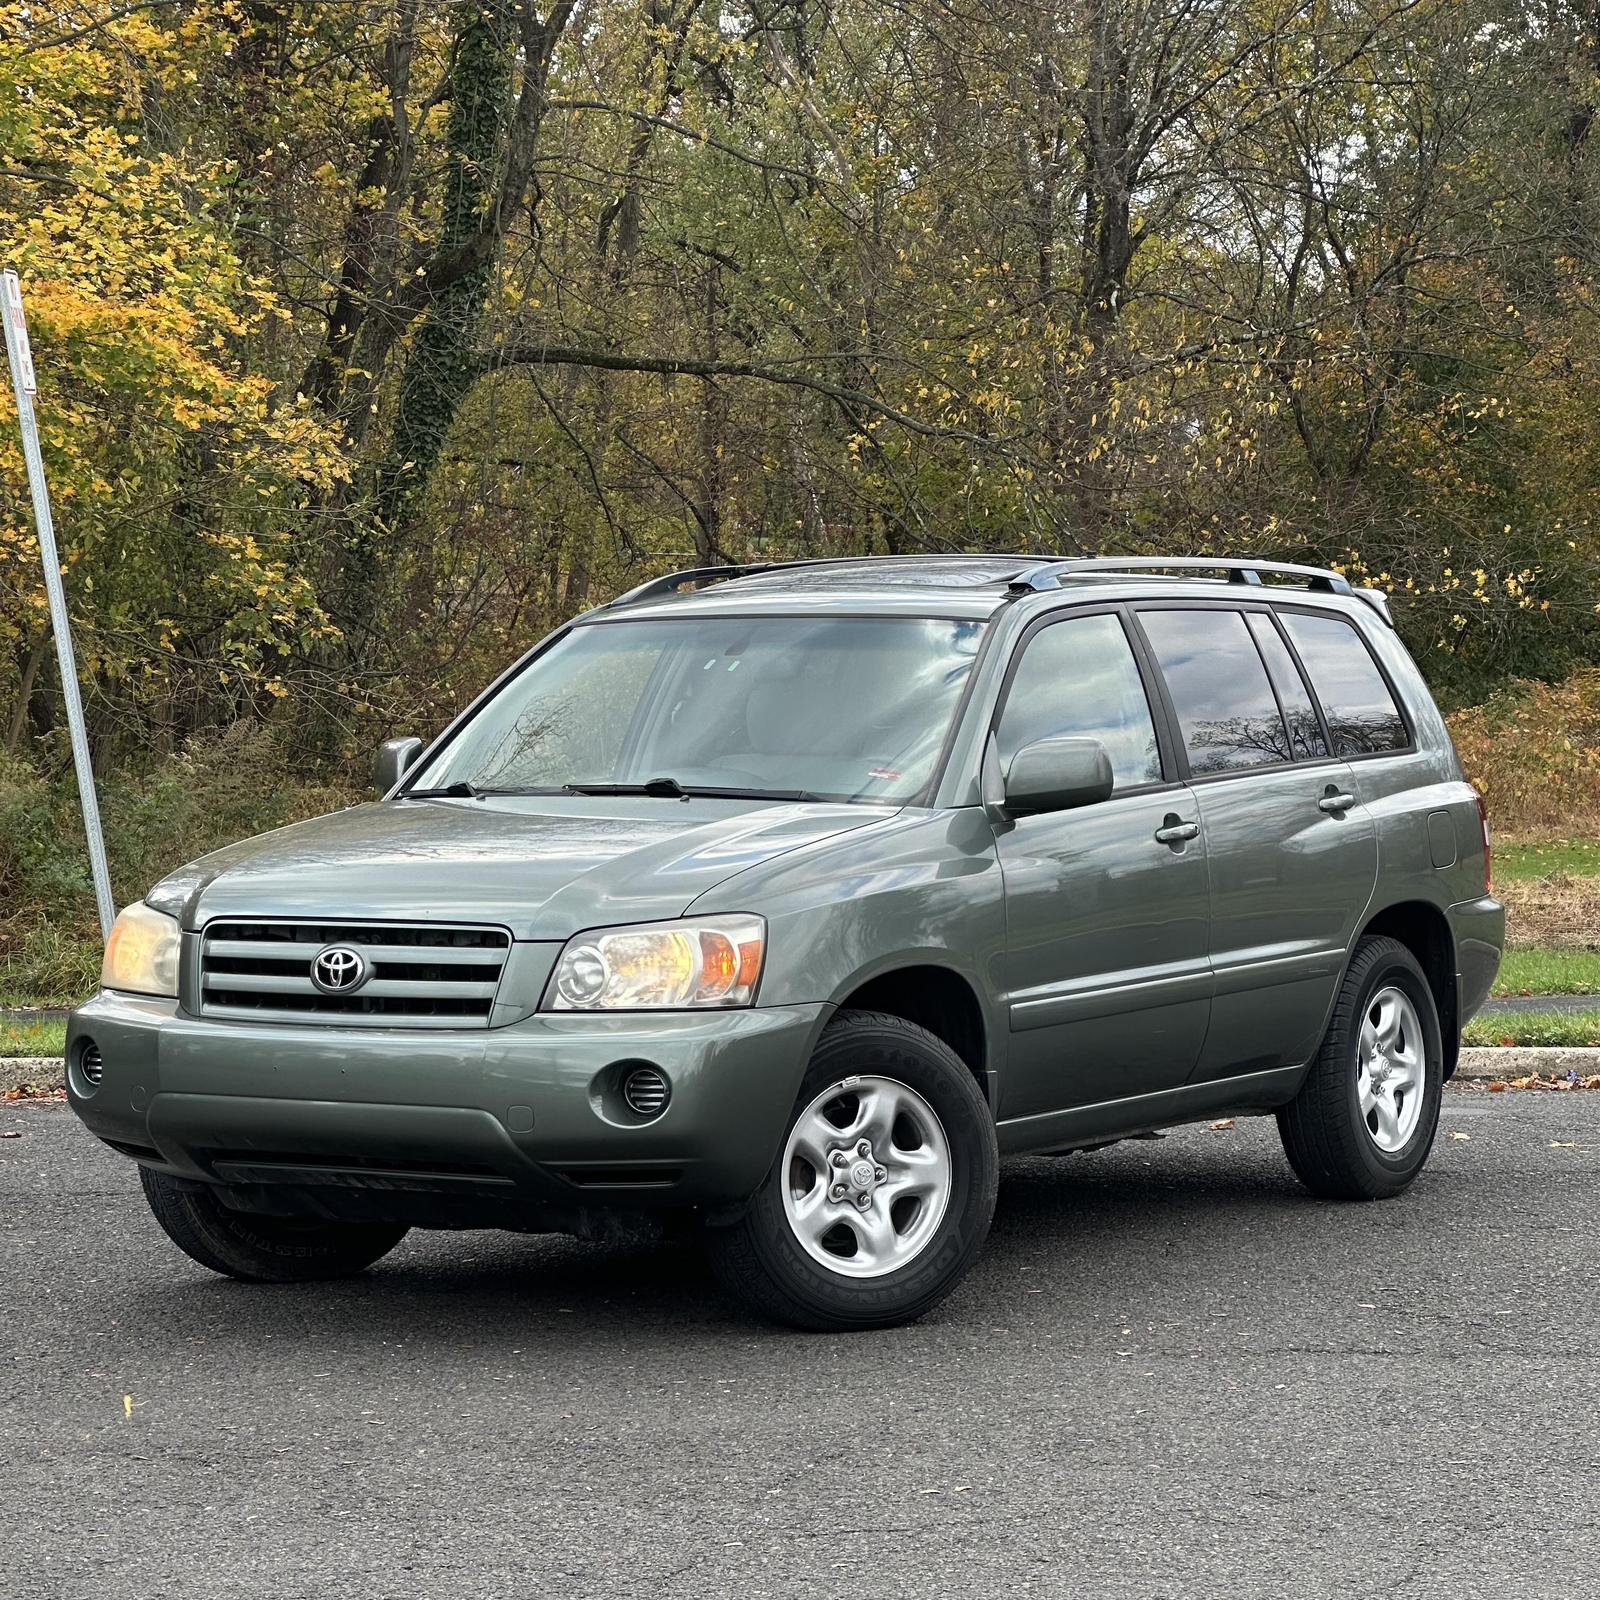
[1171,1375]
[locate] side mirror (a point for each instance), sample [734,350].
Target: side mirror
[1057,775]
[395,758]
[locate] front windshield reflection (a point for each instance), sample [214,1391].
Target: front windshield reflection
[842,708]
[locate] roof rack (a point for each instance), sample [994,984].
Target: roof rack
[699,577]
[672,583]
[1035,577]
[1047,574]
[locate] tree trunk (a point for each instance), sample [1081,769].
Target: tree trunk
[30,670]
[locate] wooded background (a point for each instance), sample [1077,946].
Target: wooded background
[376,338]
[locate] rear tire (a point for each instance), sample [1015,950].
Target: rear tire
[258,1248]
[1364,1120]
[889,1120]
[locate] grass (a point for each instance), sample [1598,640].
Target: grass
[1515,862]
[50,967]
[1543,971]
[1548,1028]
[47,1038]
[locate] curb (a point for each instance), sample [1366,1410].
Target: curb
[1524,1061]
[32,1072]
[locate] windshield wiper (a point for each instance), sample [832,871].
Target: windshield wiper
[656,788]
[461,789]
[753,794]
[671,789]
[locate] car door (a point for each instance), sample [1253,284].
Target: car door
[1104,977]
[1291,852]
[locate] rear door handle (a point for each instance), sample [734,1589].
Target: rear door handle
[1335,802]
[1172,831]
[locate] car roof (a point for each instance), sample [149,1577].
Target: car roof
[963,586]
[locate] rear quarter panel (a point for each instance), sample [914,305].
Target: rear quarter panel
[1430,835]
[1403,792]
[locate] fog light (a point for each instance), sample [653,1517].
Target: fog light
[90,1067]
[646,1091]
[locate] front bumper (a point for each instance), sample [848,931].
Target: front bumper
[363,1121]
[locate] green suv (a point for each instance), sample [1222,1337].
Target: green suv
[780,901]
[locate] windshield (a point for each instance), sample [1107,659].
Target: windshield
[839,708]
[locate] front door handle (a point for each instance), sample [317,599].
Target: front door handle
[1174,831]
[1333,802]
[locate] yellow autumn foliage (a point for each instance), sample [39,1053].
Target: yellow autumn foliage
[173,467]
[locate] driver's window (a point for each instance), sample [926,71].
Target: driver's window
[1079,678]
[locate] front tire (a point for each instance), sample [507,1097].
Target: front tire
[258,1248]
[882,1194]
[1364,1120]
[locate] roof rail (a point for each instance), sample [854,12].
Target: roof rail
[1047,575]
[671,583]
[1040,575]
[699,577]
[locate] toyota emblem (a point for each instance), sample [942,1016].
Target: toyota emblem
[338,969]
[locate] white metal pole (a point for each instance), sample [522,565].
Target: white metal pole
[25,387]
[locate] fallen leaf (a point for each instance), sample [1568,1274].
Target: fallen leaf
[1495,1087]
[1222,1122]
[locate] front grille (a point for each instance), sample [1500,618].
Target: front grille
[417,977]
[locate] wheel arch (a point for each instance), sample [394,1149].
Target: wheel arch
[936,997]
[1424,930]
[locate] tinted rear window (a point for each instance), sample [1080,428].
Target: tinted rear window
[1225,705]
[1362,716]
[1305,732]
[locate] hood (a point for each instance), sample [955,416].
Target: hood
[542,867]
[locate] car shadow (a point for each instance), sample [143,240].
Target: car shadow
[1078,1220]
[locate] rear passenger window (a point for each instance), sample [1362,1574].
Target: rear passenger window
[1305,732]
[1078,678]
[1226,708]
[1362,716]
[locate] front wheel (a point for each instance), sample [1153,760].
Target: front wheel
[882,1195]
[262,1249]
[1363,1122]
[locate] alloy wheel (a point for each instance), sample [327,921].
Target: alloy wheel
[1390,1066]
[867,1176]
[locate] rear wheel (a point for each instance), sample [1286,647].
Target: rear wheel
[258,1248]
[1364,1120]
[882,1195]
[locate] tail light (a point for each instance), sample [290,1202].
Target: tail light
[1483,824]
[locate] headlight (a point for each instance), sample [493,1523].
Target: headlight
[142,952]
[660,966]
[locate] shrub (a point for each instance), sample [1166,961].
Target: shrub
[218,789]
[1533,752]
